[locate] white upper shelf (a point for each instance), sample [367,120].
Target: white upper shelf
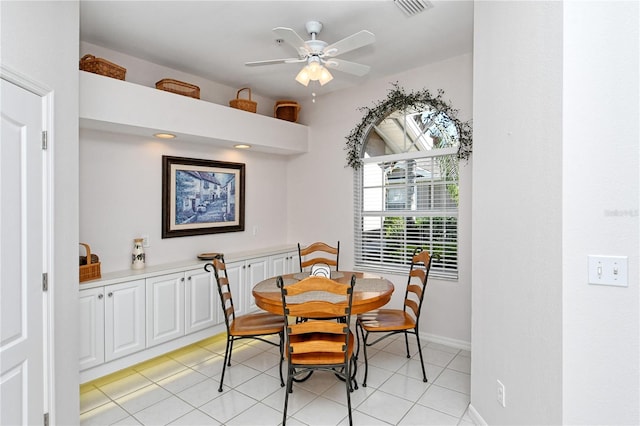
[118,106]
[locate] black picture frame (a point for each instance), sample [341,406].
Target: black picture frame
[201,197]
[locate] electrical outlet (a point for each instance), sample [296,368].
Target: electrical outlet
[145,241]
[500,394]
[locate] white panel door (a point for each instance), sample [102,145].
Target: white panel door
[124,319]
[201,300]
[257,270]
[21,266]
[165,308]
[91,327]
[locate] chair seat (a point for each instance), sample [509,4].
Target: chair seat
[256,324]
[318,358]
[386,320]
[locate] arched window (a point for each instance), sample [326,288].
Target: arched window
[406,187]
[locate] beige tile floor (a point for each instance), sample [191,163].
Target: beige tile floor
[181,388]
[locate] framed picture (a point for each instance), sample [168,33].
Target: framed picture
[201,197]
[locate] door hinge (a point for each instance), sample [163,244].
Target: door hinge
[46,419]
[45,281]
[44,139]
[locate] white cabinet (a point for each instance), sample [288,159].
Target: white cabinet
[243,275]
[111,322]
[128,317]
[124,319]
[165,308]
[179,304]
[91,327]
[202,302]
[284,263]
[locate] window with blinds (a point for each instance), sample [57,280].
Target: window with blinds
[407,198]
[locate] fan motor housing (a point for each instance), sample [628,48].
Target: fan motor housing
[313,27]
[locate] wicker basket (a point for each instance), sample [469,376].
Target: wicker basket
[244,104]
[286,110]
[90,271]
[179,87]
[101,66]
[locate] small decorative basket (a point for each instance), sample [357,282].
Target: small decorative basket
[101,66]
[244,104]
[90,267]
[179,87]
[286,110]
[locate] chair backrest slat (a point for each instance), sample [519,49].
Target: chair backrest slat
[318,253]
[317,345]
[417,281]
[224,289]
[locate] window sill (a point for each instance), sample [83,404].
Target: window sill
[403,271]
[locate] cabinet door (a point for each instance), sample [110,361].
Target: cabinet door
[293,263]
[278,264]
[236,272]
[283,263]
[165,308]
[257,270]
[91,327]
[124,319]
[201,300]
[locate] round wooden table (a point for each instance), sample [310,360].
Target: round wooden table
[370,291]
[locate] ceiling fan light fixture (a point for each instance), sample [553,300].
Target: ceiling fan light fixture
[303,76]
[314,69]
[325,76]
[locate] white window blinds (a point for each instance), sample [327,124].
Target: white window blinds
[405,201]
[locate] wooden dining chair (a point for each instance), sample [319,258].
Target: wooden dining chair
[249,326]
[388,322]
[318,252]
[316,344]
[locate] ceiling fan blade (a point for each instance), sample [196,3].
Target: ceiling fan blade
[348,67]
[292,38]
[274,61]
[354,41]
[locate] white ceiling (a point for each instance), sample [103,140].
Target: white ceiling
[213,39]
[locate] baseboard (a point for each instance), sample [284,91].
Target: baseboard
[447,341]
[476,417]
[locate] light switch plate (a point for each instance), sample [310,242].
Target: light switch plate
[608,270]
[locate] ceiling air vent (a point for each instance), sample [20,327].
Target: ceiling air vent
[413,7]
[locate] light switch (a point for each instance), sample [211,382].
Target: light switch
[608,270]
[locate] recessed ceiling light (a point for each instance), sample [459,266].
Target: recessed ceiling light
[164,135]
[242,146]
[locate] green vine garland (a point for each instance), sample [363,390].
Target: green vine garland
[399,99]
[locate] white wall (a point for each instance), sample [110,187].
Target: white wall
[601,325]
[121,182]
[556,107]
[40,41]
[121,199]
[322,174]
[517,212]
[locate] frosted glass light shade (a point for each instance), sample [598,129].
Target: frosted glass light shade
[325,76]
[314,71]
[303,76]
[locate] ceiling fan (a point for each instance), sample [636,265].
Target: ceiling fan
[320,55]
